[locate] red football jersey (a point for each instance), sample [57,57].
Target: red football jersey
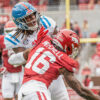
[2,45]
[44,62]
[10,68]
[5,57]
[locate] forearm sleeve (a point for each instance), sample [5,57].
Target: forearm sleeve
[17,59]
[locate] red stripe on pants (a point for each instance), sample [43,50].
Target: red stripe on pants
[39,96]
[44,96]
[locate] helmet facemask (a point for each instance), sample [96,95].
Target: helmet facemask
[31,24]
[74,52]
[71,50]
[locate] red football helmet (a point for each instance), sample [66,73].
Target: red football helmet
[68,40]
[9,26]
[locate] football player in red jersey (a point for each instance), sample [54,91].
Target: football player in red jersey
[12,79]
[46,61]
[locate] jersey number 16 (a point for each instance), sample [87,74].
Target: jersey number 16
[45,63]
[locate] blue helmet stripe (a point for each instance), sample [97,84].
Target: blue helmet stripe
[14,37]
[43,23]
[10,41]
[47,20]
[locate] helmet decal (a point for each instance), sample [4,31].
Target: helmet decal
[28,10]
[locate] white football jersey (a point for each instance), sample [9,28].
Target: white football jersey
[29,41]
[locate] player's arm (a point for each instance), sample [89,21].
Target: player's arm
[19,49]
[21,57]
[17,58]
[76,85]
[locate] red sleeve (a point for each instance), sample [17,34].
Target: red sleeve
[69,63]
[2,45]
[93,56]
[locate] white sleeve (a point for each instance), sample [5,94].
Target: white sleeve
[48,23]
[11,41]
[52,27]
[17,59]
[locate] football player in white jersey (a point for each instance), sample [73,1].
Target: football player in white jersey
[29,22]
[12,76]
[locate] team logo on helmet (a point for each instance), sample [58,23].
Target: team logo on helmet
[29,11]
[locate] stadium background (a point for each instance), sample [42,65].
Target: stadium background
[84,19]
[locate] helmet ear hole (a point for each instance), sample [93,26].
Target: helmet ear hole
[71,34]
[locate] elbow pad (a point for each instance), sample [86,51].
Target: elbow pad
[17,59]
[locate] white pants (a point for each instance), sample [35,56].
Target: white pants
[58,89]
[34,90]
[11,83]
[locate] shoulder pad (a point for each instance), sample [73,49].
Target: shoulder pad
[11,41]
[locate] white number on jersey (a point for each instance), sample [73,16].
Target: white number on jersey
[41,61]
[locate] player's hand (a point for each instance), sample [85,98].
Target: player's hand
[26,53]
[2,70]
[42,32]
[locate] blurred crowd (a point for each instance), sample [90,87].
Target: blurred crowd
[83,4]
[82,32]
[89,4]
[11,3]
